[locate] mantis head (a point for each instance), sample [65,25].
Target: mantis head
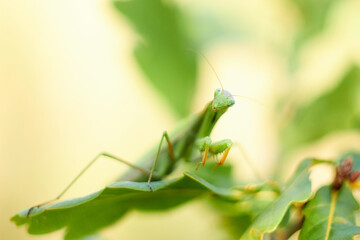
[222,100]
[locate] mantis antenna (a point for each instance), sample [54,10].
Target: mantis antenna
[211,66]
[251,99]
[217,76]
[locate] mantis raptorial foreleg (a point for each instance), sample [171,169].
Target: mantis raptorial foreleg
[222,146]
[104,154]
[203,144]
[171,154]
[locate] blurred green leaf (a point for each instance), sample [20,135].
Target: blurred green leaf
[163,52]
[247,203]
[222,177]
[336,110]
[330,215]
[314,16]
[238,214]
[236,225]
[86,215]
[208,25]
[356,159]
[306,164]
[297,190]
[92,237]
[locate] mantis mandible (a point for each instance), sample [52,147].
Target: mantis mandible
[196,135]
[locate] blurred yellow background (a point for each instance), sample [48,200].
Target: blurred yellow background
[70,89]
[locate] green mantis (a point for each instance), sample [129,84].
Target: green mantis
[181,148]
[197,135]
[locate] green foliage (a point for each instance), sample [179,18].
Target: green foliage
[336,110]
[298,190]
[314,16]
[330,215]
[236,215]
[242,209]
[223,178]
[163,52]
[236,225]
[85,215]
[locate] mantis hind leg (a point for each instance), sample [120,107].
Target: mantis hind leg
[104,154]
[171,154]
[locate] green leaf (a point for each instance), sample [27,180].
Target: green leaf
[330,215]
[223,176]
[297,190]
[163,53]
[236,225]
[314,16]
[307,163]
[86,215]
[336,110]
[237,215]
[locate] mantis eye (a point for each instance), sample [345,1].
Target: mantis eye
[217,91]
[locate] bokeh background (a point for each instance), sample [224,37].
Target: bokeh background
[71,87]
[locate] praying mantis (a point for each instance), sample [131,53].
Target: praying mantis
[196,135]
